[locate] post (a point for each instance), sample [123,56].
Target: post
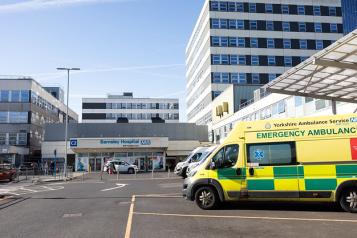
[117,173]
[66,130]
[168,172]
[334,107]
[152,171]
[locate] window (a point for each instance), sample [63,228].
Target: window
[233,41]
[253,25]
[231,6]
[252,7]
[15,96]
[224,59]
[232,24]
[4,117]
[302,27]
[271,77]
[253,43]
[269,8]
[214,6]
[215,23]
[288,61]
[234,59]
[301,10]
[22,139]
[254,60]
[333,27]
[216,59]
[4,97]
[318,27]
[320,104]
[317,11]
[271,60]
[216,94]
[303,44]
[18,117]
[226,157]
[2,138]
[241,42]
[287,44]
[215,41]
[303,58]
[242,78]
[285,9]
[224,41]
[223,6]
[281,106]
[234,78]
[25,96]
[270,43]
[286,26]
[269,25]
[12,138]
[332,11]
[240,24]
[298,101]
[225,77]
[241,59]
[240,7]
[223,24]
[255,78]
[282,153]
[319,44]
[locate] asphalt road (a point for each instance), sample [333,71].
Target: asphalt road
[108,208]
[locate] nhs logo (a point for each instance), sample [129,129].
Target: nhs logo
[73,143]
[353,119]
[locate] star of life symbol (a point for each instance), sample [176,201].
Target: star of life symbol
[259,154]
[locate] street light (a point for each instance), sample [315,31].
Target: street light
[66,131]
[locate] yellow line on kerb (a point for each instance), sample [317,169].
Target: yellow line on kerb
[130,218]
[244,217]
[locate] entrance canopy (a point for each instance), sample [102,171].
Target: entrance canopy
[330,74]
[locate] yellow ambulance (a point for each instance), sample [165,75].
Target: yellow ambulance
[304,159]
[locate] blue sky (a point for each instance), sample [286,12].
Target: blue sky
[120,45]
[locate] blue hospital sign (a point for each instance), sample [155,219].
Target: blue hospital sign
[73,143]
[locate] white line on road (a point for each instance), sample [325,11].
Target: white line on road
[245,217]
[30,190]
[130,218]
[119,185]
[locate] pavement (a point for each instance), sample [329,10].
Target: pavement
[148,207]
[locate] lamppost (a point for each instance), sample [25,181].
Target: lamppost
[66,130]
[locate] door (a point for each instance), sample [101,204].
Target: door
[272,171]
[92,164]
[227,171]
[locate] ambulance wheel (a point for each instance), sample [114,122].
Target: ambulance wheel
[206,198]
[348,200]
[130,170]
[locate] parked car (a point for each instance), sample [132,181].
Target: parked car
[121,166]
[194,156]
[7,172]
[192,166]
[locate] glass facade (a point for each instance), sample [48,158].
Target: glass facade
[349,15]
[13,139]
[14,117]
[14,96]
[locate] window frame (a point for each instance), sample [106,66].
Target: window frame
[223,148]
[293,152]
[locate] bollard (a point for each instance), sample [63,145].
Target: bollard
[135,173]
[83,176]
[118,174]
[26,173]
[18,175]
[168,173]
[152,172]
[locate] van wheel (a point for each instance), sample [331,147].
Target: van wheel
[348,200]
[130,170]
[206,198]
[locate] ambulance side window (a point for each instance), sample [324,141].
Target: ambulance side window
[226,157]
[281,153]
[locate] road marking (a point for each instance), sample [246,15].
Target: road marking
[130,218]
[245,217]
[119,185]
[148,178]
[72,215]
[30,190]
[49,188]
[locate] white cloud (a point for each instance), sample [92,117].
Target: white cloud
[28,5]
